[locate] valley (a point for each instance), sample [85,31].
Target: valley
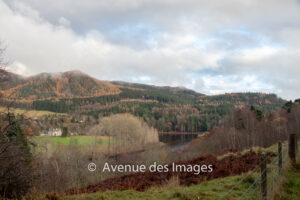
[70,120]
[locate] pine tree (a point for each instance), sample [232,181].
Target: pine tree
[15,158]
[65,132]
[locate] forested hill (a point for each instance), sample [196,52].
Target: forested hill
[75,87]
[75,84]
[174,90]
[55,86]
[165,108]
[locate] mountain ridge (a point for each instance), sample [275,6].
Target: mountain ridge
[72,84]
[165,108]
[76,84]
[56,85]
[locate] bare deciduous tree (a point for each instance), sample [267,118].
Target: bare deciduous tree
[127,131]
[3,72]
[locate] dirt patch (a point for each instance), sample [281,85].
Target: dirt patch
[228,166]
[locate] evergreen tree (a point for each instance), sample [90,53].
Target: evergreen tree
[203,126]
[64,132]
[15,158]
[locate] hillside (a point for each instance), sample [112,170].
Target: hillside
[55,86]
[76,84]
[7,76]
[165,108]
[174,90]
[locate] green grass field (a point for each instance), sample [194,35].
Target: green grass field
[77,140]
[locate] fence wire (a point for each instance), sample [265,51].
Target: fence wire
[273,175]
[242,180]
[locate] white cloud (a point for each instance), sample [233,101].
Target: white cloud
[46,47]
[220,84]
[257,54]
[212,47]
[18,68]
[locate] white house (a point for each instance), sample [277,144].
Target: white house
[52,132]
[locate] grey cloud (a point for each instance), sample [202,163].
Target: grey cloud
[209,16]
[210,46]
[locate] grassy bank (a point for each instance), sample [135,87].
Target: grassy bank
[209,190]
[289,188]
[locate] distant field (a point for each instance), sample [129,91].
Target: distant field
[78,140]
[30,113]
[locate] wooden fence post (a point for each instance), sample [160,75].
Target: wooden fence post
[292,148]
[296,142]
[279,157]
[263,169]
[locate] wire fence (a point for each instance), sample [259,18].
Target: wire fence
[274,172]
[265,177]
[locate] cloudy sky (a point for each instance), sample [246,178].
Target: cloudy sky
[211,46]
